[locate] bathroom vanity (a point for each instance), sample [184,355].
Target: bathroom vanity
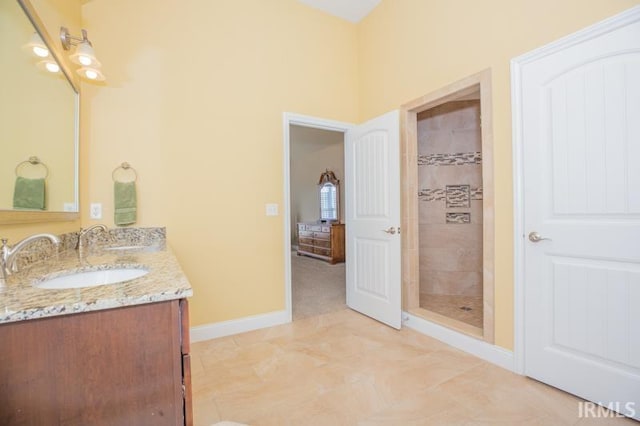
[113,354]
[124,366]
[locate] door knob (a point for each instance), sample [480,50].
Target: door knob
[391,230]
[534,237]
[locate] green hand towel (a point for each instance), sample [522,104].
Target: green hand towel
[29,194]
[124,198]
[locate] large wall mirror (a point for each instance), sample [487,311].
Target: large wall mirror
[39,123]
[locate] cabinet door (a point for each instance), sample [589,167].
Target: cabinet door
[118,366]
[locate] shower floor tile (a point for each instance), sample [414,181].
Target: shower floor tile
[467,309]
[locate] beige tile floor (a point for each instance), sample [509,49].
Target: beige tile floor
[343,368]
[449,306]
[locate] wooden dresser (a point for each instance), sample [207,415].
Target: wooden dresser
[322,240]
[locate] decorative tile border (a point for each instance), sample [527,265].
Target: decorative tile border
[476,193]
[454,159]
[458,218]
[439,194]
[458,196]
[432,194]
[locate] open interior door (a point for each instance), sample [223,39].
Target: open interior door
[372,191]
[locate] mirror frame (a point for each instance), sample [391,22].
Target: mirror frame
[329,178]
[8,217]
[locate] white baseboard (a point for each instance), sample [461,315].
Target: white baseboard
[240,325]
[494,354]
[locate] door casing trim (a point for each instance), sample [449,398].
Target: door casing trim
[409,177]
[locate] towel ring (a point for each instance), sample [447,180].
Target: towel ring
[34,161]
[126,167]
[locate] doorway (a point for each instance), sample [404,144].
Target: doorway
[448,207]
[304,275]
[372,214]
[317,278]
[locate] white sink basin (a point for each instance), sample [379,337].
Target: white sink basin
[93,277]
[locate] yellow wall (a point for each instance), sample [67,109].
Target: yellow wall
[194,101]
[409,48]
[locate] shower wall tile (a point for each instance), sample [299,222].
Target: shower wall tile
[463,283]
[431,214]
[451,115]
[449,236]
[439,177]
[476,214]
[451,259]
[435,213]
[449,141]
[437,142]
[449,157]
[465,140]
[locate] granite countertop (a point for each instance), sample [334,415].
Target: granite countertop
[20,300]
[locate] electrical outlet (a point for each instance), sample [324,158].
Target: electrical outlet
[95,211]
[271,209]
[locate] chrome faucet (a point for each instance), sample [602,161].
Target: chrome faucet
[9,254]
[83,232]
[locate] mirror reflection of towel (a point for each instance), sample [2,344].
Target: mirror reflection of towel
[29,194]
[124,199]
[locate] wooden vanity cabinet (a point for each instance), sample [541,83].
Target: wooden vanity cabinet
[124,366]
[324,241]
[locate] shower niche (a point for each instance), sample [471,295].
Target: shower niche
[448,272]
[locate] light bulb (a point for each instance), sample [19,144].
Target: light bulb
[85,56]
[40,51]
[49,66]
[84,60]
[52,67]
[91,74]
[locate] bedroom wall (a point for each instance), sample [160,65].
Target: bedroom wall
[312,151]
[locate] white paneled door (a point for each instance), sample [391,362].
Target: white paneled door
[580,142]
[372,191]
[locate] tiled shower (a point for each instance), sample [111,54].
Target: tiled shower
[450,210]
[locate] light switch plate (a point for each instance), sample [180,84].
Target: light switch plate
[271,209]
[95,211]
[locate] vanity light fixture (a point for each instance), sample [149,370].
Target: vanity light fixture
[84,54]
[40,50]
[37,46]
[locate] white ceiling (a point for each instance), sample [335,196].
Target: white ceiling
[351,10]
